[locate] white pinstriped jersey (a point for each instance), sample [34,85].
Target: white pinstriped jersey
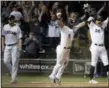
[96,32]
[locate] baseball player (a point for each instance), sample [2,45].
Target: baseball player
[11,41]
[97,48]
[97,25]
[63,49]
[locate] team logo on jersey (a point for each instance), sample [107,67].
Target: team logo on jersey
[10,32]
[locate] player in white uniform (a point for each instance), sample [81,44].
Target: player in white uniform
[11,41]
[97,48]
[63,49]
[96,28]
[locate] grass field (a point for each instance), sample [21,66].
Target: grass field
[25,79]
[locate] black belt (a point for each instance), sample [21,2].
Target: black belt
[11,44]
[99,44]
[67,47]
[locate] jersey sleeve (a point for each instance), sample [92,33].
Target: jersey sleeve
[104,25]
[19,33]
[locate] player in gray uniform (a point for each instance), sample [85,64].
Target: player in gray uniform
[11,43]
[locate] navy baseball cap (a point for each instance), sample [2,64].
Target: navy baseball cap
[11,17]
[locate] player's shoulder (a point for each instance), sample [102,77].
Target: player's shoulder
[6,25]
[69,29]
[66,27]
[16,25]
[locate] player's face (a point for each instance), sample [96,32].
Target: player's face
[11,21]
[98,21]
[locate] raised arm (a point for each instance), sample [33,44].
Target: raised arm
[105,23]
[67,13]
[101,9]
[90,22]
[82,24]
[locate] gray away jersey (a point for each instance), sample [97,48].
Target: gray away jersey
[11,33]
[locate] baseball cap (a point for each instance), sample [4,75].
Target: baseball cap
[11,17]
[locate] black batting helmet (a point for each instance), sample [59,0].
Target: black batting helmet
[11,17]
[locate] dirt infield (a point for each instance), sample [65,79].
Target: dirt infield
[63,85]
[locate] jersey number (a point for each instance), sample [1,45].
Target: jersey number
[97,30]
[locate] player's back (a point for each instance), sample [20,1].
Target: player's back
[66,36]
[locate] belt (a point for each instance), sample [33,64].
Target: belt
[99,44]
[67,47]
[11,44]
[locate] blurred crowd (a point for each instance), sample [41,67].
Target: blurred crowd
[38,23]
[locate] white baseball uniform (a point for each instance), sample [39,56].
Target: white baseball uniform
[12,34]
[97,47]
[63,50]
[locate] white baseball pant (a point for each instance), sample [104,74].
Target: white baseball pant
[61,62]
[11,59]
[98,51]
